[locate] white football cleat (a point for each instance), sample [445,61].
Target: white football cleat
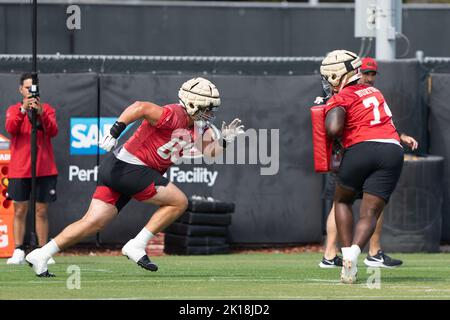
[136,253]
[38,261]
[51,261]
[18,257]
[349,271]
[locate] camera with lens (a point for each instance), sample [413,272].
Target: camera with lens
[34,91]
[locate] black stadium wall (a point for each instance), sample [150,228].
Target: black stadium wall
[439,124]
[174,28]
[270,209]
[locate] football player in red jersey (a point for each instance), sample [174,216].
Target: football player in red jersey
[375,257]
[373,159]
[136,169]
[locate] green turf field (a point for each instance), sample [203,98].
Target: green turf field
[236,276]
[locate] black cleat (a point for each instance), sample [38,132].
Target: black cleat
[45,274]
[145,263]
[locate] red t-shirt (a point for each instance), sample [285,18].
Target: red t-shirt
[368,116]
[159,145]
[18,126]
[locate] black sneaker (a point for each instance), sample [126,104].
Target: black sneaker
[332,263]
[382,260]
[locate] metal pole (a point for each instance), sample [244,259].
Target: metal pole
[385,42]
[34,91]
[34,36]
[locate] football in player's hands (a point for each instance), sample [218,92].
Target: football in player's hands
[231,131]
[108,142]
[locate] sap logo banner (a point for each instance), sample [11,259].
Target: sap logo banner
[84,134]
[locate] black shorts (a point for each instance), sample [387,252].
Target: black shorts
[19,189]
[330,187]
[371,167]
[120,181]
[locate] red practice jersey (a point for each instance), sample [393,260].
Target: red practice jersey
[368,116]
[160,145]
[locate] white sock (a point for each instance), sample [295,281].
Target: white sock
[50,248]
[355,252]
[143,237]
[346,253]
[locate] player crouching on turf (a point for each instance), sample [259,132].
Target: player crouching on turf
[136,169]
[373,157]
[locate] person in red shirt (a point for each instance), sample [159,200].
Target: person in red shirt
[136,169]
[358,115]
[18,125]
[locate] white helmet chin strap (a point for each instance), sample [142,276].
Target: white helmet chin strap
[355,77]
[345,81]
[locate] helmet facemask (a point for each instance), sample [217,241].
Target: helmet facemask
[204,116]
[327,89]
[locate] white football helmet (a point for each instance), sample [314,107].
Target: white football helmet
[199,96]
[340,67]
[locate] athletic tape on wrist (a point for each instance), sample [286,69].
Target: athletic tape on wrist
[117,129]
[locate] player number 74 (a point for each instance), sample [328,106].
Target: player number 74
[375,104]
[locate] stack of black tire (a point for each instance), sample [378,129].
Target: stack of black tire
[201,230]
